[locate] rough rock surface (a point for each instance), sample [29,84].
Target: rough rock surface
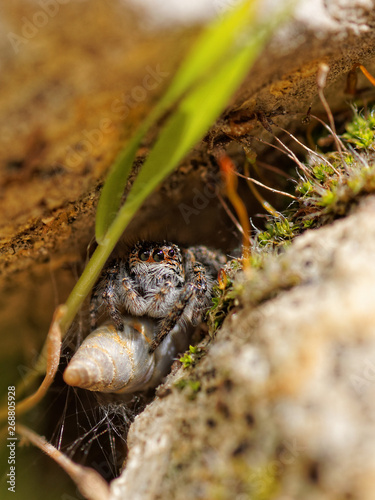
[285,408]
[70,116]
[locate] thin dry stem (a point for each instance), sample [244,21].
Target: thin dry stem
[321,82]
[368,75]
[89,482]
[285,151]
[265,204]
[230,214]
[293,156]
[227,168]
[272,168]
[53,360]
[248,178]
[271,145]
[321,157]
[329,129]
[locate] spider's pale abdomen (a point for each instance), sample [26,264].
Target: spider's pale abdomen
[120,361]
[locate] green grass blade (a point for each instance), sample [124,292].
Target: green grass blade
[187,125]
[212,46]
[113,189]
[193,117]
[183,130]
[196,113]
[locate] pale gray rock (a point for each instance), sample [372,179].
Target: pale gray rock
[286,389]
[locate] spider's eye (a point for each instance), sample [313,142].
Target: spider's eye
[144,255]
[171,252]
[158,255]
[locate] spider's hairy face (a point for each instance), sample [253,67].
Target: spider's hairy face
[154,263]
[157,280]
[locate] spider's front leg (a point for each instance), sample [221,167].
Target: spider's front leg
[115,293]
[212,259]
[133,302]
[105,295]
[192,302]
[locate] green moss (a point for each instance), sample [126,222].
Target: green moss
[190,385]
[190,357]
[304,188]
[327,199]
[322,172]
[227,293]
[349,159]
[239,480]
[330,185]
[360,131]
[278,231]
[307,224]
[332,182]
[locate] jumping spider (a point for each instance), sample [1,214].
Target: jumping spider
[159,280]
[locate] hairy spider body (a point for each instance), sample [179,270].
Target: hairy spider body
[157,280]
